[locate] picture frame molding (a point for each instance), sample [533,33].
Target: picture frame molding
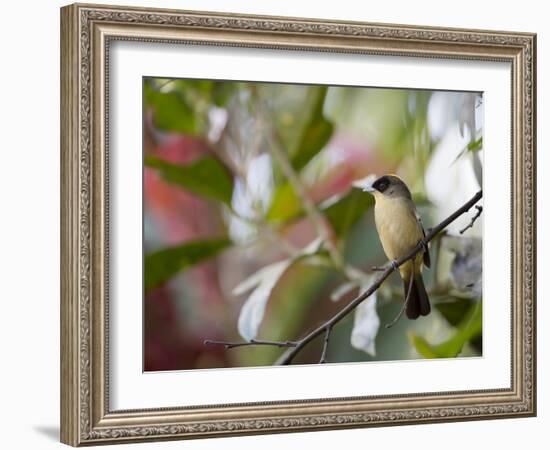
[86,32]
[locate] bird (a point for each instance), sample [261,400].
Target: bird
[400,230]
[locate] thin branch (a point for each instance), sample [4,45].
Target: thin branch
[474,218]
[230,344]
[325,346]
[407,298]
[312,213]
[289,355]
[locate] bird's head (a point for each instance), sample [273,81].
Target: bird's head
[389,186]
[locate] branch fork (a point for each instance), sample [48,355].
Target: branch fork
[231,344]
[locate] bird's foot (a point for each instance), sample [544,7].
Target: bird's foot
[393,264]
[423,244]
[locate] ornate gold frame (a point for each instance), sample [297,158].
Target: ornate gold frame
[86,31]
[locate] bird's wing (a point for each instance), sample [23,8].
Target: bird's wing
[426,255]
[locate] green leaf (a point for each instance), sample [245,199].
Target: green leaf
[454,310]
[161,265]
[302,134]
[316,133]
[223,91]
[286,205]
[345,212]
[205,176]
[341,213]
[472,147]
[209,91]
[422,347]
[298,118]
[470,327]
[315,137]
[475,145]
[171,111]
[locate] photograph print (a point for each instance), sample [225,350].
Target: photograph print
[309,224]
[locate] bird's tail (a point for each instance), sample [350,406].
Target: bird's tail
[419,303]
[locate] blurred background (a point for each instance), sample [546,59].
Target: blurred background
[256,226]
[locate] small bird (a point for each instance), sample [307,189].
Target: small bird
[400,229]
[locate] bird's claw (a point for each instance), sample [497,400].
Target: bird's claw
[424,244]
[394,264]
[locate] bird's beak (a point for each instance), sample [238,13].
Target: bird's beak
[366,183]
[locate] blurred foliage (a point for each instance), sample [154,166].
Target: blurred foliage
[454,309]
[205,176]
[468,328]
[314,133]
[160,266]
[171,111]
[472,147]
[344,212]
[285,205]
[299,121]
[203,139]
[303,140]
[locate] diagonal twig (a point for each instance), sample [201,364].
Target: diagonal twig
[325,345]
[312,213]
[474,218]
[405,303]
[231,344]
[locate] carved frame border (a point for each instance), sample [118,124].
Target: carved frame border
[86,31]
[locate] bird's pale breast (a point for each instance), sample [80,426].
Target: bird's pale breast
[398,229]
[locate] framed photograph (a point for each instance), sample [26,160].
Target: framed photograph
[276,225]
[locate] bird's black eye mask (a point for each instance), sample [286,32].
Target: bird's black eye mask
[381,184]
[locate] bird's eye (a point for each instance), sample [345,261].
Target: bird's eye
[383,186]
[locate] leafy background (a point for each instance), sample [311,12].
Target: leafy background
[256,226]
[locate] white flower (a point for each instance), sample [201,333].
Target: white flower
[366,324]
[253,310]
[262,282]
